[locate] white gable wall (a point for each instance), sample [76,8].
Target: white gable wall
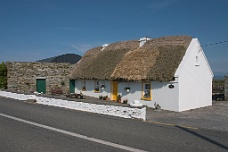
[195,79]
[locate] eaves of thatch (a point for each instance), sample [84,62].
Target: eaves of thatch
[156,60]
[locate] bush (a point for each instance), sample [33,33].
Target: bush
[56,90]
[3,76]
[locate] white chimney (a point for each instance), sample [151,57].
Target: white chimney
[104,46]
[143,40]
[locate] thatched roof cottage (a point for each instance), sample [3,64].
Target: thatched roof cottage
[171,71]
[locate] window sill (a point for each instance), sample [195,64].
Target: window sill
[146,99]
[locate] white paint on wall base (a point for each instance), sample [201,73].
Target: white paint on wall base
[124,112]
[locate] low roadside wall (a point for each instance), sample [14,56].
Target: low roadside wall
[124,112]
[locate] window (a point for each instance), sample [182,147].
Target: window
[146,91]
[96,86]
[83,85]
[197,61]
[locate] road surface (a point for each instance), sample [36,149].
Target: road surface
[26,127]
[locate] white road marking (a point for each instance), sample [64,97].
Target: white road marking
[73,134]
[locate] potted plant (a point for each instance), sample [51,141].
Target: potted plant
[102,87]
[125,101]
[156,106]
[106,97]
[83,88]
[127,89]
[119,98]
[100,97]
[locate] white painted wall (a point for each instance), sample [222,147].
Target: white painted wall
[167,98]
[195,79]
[133,94]
[161,94]
[90,86]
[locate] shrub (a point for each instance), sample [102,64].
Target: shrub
[3,75]
[56,90]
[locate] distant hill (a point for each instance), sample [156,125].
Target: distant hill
[65,58]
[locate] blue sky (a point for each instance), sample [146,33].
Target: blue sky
[31,30]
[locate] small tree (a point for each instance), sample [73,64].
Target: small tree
[3,75]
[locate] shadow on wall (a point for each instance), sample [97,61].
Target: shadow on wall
[160,85]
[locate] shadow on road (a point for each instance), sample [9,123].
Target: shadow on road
[203,137]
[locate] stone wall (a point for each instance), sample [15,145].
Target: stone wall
[22,76]
[118,111]
[226,87]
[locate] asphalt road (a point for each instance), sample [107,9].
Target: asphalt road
[31,127]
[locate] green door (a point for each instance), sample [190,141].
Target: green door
[72,86]
[41,85]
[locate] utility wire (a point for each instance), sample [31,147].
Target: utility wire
[214,43]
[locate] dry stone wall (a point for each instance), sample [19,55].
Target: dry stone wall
[22,76]
[226,87]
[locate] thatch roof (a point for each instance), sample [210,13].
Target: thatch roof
[156,60]
[100,63]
